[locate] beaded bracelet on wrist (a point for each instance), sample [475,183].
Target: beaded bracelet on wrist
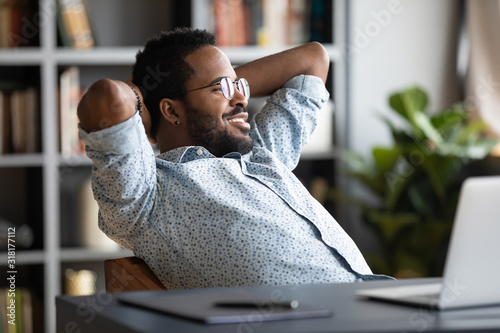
[139,102]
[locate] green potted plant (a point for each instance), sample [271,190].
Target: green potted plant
[416,182]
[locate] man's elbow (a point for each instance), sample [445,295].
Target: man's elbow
[90,102]
[320,60]
[106,103]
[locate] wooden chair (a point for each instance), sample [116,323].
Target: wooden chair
[129,274]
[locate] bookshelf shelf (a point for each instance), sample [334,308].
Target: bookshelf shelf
[22,160]
[97,56]
[69,255]
[26,257]
[21,56]
[118,26]
[126,55]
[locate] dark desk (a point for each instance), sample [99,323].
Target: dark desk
[103,313]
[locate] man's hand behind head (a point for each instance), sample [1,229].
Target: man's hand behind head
[108,103]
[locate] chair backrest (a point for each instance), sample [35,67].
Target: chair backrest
[129,274]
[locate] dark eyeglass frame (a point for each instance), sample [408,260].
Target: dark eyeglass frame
[241,85]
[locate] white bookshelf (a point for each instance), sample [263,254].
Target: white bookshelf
[24,160]
[50,58]
[97,56]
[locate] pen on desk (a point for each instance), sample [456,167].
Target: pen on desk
[293,304]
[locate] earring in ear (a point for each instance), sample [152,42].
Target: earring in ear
[176,123]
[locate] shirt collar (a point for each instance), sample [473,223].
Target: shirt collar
[185,154]
[191,153]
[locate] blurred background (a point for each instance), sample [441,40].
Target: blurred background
[414,90]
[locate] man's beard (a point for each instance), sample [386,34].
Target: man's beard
[218,141]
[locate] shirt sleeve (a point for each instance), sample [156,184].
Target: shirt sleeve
[288,118]
[123,177]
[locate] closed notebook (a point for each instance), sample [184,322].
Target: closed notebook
[215,306]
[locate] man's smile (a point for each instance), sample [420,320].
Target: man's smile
[240,120]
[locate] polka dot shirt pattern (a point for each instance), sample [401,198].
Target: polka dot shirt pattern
[201,221]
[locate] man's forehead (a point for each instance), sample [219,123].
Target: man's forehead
[209,63]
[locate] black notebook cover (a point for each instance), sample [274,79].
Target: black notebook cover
[201,306]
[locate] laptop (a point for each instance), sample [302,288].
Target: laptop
[471,274]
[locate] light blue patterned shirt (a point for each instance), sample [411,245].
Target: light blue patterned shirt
[202,221]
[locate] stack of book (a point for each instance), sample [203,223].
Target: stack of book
[69,96]
[19,121]
[74,24]
[16,310]
[20,116]
[260,22]
[79,282]
[19,24]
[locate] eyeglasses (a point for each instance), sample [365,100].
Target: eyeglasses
[227,88]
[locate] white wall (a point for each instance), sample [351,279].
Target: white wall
[395,44]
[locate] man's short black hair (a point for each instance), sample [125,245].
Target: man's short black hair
[161,71]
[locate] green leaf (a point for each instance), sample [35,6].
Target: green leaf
[424,241]
[408,102]
[420,199]
[409,265]
[370,180]
[397,180]
[398,134]
[389,224]
[471,131]
[354,161]
[449,119]
[385,158]
[425,125]
[431,165]
[338,196]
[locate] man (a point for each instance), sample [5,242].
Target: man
[219,206]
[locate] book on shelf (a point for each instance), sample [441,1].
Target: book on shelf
[5,137]
[25,116]
[18,23]
[299,16]
[4,23]
[79,282]
[74,24]
[259,22]
[3,313]
[320,25]
[230,22]
[19,121]
[16,310]
[69,97]
[79,214]
[88,225]
[27,310]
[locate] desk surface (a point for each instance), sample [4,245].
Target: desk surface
[102,313]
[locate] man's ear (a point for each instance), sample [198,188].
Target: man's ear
[168,110]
